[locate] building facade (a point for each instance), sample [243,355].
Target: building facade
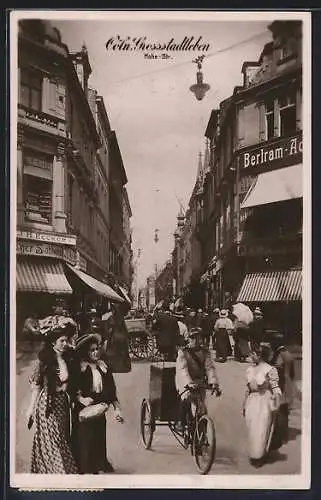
[256,175]
[65,169]
[127,253]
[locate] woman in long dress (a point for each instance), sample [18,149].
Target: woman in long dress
[53,384]
[261,404]
[96,385]
[223,326]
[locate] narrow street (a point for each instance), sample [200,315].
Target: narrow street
[167,457]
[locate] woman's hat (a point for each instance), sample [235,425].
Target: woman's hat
[216,310]
[88,338]
[64,330]
[223,313]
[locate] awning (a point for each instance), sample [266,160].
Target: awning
[277,185]
[272,286]
[47,277]
[98,286]
[125,294]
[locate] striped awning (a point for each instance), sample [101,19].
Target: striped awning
[272,286]
[97,286]
[47,277]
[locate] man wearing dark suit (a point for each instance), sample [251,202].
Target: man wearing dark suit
[166,328]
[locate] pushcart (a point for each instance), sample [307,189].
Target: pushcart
[161,408]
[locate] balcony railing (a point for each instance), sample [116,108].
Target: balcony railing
[54,124]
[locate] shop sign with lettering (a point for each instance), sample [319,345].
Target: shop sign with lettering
[284,152]
[46,250]
[67,239]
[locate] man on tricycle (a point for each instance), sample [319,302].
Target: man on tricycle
[194,369]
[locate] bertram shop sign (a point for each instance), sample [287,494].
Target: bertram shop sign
[283,152]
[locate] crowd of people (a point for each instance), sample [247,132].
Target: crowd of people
[188,336]
[72,383]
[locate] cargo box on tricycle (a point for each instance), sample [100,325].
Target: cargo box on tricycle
[162,391]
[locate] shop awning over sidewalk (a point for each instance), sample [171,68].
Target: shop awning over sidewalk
[278,185]
[272,286]
[98,286]
[125,294]
[46,277]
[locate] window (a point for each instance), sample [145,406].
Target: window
[249,120]
[287,105]
[269,120]
[31,89]
[37,194]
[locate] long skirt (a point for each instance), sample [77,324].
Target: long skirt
[90,438]
[51,450]
[241,348]
[258,418]
[223,345]
[281,428]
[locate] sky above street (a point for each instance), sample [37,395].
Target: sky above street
[159,124]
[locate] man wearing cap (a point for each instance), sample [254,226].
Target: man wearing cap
[194,367]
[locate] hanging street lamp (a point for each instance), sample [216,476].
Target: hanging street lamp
[199,88]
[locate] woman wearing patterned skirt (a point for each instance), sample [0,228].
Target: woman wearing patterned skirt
[53,383]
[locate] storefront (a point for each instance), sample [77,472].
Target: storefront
[49,266]
[270,234]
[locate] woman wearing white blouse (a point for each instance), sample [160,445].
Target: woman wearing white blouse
[96,385]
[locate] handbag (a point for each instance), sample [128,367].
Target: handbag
[92,411]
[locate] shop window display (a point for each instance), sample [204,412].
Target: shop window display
[37,199]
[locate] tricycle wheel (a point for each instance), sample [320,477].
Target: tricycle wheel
[204,444]
[147,424]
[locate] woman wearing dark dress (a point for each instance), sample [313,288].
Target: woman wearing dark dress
[53,383]
[96,385]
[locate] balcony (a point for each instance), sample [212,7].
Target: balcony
[42,121]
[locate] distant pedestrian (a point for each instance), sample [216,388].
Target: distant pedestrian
[222,328]
[207,328]
[241,341]
[257,329]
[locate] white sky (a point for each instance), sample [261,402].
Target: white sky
[159,124]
